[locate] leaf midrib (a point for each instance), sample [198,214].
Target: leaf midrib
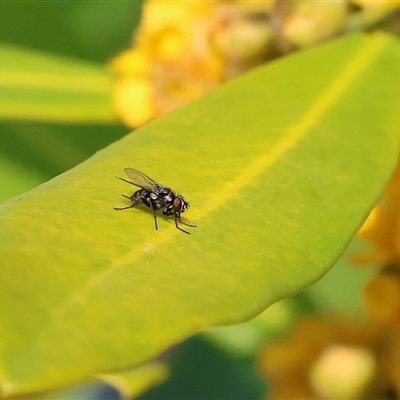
[294,135]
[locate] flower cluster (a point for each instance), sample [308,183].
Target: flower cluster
[181,50]
[334,358]
[382,230]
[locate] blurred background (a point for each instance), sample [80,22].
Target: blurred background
[32,152]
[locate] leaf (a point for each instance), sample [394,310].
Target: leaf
[136,381]
[281,167]
[43,87]
[129,384]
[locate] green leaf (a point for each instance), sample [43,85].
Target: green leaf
[43,87]
[134,382]
[281,167]
[129,384]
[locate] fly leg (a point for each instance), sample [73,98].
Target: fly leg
[185,223]
[123,208]
[134,200]
[153,205]
[155,219]
[176,224]
[178,219]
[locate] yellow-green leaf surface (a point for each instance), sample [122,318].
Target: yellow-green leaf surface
[43,87]
[281,167]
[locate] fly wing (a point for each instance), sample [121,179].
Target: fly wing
[141,180]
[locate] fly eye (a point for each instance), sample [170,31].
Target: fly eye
[177,204]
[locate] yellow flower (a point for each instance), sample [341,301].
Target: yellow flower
[382,296]
[382,228]
[133,98]
[304,23]
[181,50]
[333,358]
[343,372]
[162,70]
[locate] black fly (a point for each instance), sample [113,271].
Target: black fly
[156,197]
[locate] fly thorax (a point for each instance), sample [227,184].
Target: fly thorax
[168,198]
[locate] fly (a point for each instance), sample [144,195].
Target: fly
[156,197]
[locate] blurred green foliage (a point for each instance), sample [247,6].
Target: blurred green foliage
[31,153]
[91,30]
